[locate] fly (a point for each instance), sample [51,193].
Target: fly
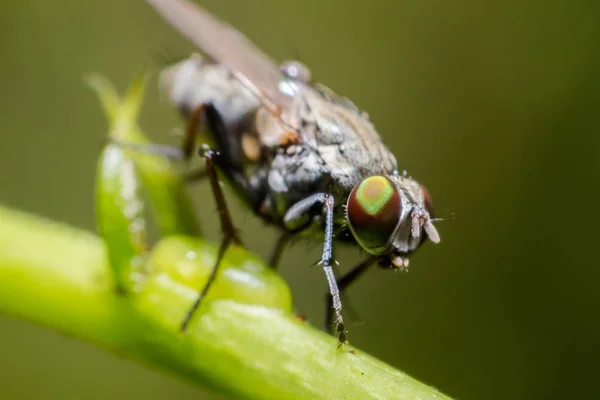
[301,157]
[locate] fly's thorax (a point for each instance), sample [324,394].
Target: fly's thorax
[345,140]
[347,134]
[390,215]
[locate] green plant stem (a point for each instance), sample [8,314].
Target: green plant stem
[59,276]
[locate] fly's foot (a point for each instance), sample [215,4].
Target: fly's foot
[341,334]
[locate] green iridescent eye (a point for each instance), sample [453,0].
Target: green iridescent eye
[373,211]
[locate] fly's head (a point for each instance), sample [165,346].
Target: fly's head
[390,217]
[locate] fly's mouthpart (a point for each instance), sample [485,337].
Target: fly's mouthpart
[400,262]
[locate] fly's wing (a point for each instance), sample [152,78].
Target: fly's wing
[227,46]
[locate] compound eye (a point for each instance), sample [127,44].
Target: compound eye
[373,211]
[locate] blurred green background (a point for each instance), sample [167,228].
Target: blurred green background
[493,105]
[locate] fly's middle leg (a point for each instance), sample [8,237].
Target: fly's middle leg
[225,161]
[230,234]
[303,212]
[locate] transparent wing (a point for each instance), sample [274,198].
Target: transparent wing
[225,45]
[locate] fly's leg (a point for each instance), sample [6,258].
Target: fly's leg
[229,233]
[304,212]
[229,165]
[343,284]
[326,259]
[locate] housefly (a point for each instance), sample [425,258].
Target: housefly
[301,157]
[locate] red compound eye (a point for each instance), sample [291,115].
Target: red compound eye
[373,210]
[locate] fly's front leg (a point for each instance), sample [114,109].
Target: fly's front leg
[343,284]
[301,213]
[229,232]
